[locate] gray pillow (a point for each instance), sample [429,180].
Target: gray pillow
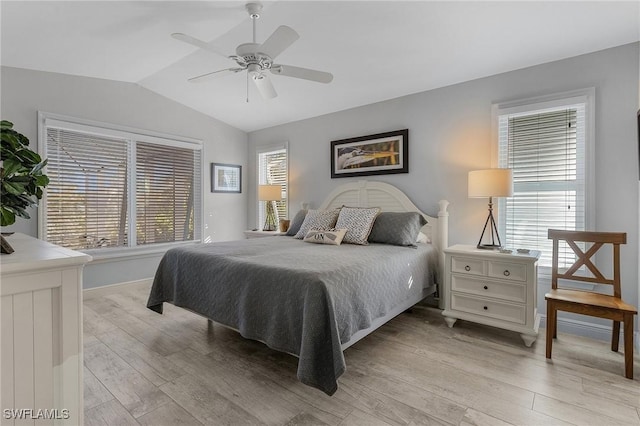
[397,228]
[296,223]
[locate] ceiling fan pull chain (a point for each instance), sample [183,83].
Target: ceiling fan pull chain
[248,86]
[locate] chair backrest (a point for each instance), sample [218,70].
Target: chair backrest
[598,239]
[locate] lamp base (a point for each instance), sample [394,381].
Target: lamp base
[270,219]
[493,230]
[489,246]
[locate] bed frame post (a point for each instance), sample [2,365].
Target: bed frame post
[443,243]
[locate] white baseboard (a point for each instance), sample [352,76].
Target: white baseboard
[587,329]
[90,293]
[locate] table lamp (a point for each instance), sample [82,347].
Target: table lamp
[268,194]
[490,183]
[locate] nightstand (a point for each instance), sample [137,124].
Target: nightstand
[260,234]
[492,288]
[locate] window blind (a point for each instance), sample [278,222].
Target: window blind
[546,150]
[273,170]
[86,201]
[166,180]
[118,188]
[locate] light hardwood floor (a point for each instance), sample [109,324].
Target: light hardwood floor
[142,368]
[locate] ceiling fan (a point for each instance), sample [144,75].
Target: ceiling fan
[257,58]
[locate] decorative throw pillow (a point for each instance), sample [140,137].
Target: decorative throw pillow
[332,236]
[358,222]
[321,220]
[294,227]
[422,238]
[397,228]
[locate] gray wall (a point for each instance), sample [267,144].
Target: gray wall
[450,134]
[25,92]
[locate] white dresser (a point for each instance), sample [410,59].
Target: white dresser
[492,288]
[41,333]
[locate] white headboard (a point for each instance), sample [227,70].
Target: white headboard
[390,199]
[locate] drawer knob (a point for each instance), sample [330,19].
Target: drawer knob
[486,287]
[506,273]
[485,308]
[467,268]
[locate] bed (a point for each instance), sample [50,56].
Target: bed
[312,301]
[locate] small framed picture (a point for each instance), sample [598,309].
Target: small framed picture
[379,154]
[226,178]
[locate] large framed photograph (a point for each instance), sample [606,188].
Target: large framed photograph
[379,154]
[226,178]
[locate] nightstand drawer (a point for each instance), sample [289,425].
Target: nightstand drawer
[499,290]
[466,265]
[508,271]
[489,308]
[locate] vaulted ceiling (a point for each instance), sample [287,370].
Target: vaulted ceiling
[376,50]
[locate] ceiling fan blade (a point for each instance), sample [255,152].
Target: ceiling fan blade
[198,43]
[303,73]
[277,43]
[214,74]
[266,89]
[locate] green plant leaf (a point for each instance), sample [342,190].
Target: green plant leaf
[10,166]
[39,167]
[22,178]
[13,187]
[41,180]
[6,217]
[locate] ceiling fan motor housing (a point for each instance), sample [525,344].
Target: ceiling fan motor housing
[247,54]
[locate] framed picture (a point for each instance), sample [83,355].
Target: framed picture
[379,154]
[226,178]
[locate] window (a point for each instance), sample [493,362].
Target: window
[111,187]
[546,143]
[273,169]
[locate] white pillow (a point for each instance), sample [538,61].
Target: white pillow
[332,236]
[358,221]
[321,220]
[422,238]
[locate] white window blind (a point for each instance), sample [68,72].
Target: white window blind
[112,188]
[273,170]
[86,200]
[167,178]
[546,150]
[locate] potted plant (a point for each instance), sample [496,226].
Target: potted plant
[21,177]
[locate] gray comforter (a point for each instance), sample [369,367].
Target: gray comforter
[301,298]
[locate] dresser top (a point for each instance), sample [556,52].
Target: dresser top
[492,254]
[33,254]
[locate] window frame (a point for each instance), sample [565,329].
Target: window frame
[47,119]
[546,102]
[264,149]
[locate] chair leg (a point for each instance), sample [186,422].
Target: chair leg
[551,325]
[555,324]
[628,346]
[615,337]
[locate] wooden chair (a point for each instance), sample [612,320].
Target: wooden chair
[587,302]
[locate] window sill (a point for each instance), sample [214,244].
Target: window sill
[119,253]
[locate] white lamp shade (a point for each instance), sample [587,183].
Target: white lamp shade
[491,183]
[269,192]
